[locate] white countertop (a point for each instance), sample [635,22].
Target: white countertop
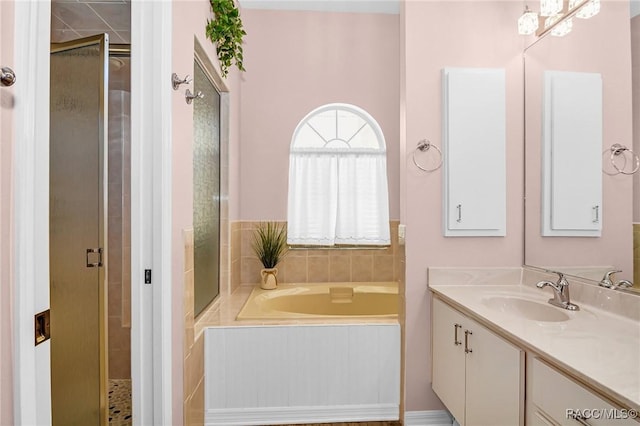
[597,347]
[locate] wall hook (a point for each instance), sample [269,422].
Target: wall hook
[190,96]
[177,81]
[7,77]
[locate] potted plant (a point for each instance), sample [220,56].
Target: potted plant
[226,32]
[270,246]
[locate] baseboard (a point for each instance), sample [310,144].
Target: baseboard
[427,418]
[293,415]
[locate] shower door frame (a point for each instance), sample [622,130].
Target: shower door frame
[151,319]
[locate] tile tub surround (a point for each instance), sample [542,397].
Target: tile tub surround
[583,346]
[302,265]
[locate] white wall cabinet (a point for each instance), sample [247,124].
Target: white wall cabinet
[473,137]
[572,154]
[555,398]
[477,375]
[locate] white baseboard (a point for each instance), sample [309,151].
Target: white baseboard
[293,415]
[427,418]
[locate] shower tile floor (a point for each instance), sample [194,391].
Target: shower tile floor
[119,402]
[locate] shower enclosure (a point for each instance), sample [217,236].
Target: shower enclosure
[89,227]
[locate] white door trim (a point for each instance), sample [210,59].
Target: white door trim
[151,320]
[32,382]
[151,186]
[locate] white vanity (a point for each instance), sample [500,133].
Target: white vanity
[503,356]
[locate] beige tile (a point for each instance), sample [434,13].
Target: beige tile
[189,292]
[187,237]
[295,269]
[298,252]
[197,360]
[383,268]
[186,377]
[235,274]
[362,268]
[196,417]
[339,267]
[246,242]
[250,270]
[188,332]
[318,269]
[186,410]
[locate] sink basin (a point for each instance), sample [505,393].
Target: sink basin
[525,308]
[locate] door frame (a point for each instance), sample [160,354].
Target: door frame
[151,305]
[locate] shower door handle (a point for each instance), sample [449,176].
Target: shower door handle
[95,255]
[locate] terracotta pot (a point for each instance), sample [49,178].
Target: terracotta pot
[269,281]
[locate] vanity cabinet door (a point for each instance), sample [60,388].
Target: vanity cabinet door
[495,380]
[478,376]
[448,366]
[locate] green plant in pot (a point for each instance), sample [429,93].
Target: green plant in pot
[270,246]
[226,32]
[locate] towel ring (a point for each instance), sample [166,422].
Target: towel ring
[423,146]
[618,149]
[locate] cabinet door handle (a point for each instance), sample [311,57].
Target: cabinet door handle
[455,334]
[467,349]
[459,207]
[596,210]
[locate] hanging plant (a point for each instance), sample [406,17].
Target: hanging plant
[226,32]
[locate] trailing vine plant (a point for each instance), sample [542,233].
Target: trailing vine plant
[226,32]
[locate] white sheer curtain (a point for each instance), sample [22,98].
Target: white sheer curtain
[338,197]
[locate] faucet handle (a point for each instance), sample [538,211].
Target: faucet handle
[562,281]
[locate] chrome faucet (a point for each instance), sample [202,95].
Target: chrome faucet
[561,297]
[607,280]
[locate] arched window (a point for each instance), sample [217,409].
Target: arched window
[338,192]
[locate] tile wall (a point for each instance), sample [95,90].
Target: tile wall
[193,367]
[315,265]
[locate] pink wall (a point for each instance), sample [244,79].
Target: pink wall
[6,208]
[437,35]
[189,21]
[601,44]
[297,61]
[635,58]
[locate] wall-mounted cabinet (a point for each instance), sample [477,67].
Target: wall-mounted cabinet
[476,374]
[572,154]
[473,138]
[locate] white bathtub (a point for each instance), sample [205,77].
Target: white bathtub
[327,300]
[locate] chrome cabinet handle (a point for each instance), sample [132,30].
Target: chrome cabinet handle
[459,207]
[7,77]
[97,251]
[467,349]
[596,209]
[455,334]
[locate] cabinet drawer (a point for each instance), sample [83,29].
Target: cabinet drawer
[559,397]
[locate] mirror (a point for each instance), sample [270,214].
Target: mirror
[602,47]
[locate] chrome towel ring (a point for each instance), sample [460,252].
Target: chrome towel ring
[423,146]
[618,151]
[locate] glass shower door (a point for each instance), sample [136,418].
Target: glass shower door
[78,129]
[206,190]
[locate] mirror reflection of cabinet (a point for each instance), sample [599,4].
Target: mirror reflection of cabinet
[572,154]
[599,45]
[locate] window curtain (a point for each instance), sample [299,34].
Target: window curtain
[313,201]
[338,198]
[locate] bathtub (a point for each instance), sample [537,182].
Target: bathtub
[327,300]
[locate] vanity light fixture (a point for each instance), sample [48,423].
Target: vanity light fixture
[589,9]
[550,7]
[556,16]
[528,23]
